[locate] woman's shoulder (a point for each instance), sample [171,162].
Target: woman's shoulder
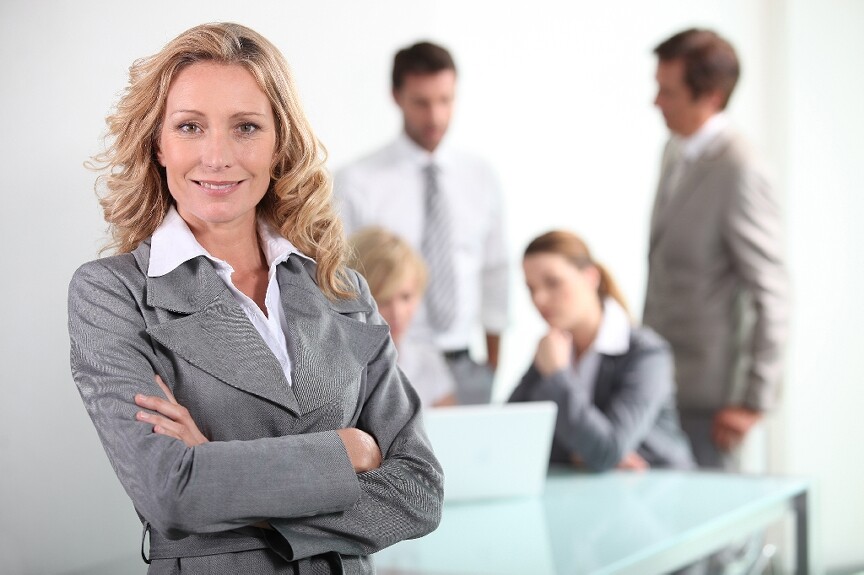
[645,339]
[125,267]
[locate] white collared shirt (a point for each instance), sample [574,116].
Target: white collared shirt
[173,244]
[613,338]
[691,147]
[685,150]
[387,189]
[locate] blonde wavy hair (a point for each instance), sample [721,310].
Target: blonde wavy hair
[133,189]
[386,261]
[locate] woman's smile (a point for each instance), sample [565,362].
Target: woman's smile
[220,188]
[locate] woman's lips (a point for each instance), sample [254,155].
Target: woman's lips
[217,188]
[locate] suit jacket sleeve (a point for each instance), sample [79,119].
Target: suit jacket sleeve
[399,500]
[601,438]
[213,487]
[754,234]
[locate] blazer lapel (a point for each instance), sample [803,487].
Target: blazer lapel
[214,334]
[328,350]
[694,172]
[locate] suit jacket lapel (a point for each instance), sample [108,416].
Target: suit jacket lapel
[213,333]
[694,172]
[328,350]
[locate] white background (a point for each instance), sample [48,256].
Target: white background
[556,95]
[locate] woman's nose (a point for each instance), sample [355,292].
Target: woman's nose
[217,154]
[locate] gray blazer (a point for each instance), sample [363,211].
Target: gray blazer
[274,453]
[632,409]
[717,286]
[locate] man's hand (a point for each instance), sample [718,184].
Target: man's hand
[731,425]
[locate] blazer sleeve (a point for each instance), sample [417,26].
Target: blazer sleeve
[212,487]
[754,234]
[399,500]
[601,438]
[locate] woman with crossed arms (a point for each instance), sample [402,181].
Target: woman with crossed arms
[240,379]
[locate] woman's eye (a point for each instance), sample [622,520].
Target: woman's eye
[248,128]
[188,128]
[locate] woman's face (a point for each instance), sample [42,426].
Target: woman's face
[398,310]
[217,145]
[561,292]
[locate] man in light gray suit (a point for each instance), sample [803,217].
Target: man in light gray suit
[717,285]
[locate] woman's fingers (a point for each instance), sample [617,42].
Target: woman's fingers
[173,410]
[165,389]
[161,425]
[633,461]
[170,418]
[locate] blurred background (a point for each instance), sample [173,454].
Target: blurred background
[556,95]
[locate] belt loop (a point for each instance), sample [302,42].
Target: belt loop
[144,538]
[457,354]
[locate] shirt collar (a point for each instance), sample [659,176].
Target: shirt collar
[173,244]
[420,156]
[692,146]
[613,337]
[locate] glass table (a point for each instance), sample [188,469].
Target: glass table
[613,523]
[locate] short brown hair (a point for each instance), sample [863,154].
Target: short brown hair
[710,62]
[421,58]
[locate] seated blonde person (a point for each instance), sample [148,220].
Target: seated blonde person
[613,381]
[396,276]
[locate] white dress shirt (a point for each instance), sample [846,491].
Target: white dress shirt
[613,338]
[173,244]
[425,367]
[688,149]
[387,189]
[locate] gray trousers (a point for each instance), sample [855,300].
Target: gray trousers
[739,557]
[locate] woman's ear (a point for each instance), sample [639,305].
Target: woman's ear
[159,157]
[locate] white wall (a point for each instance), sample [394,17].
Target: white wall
[825,179]
[556,95]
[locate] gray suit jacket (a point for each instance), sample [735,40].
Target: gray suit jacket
[632,409]
[274,453]
[717,286]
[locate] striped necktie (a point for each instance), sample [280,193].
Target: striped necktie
[437,249]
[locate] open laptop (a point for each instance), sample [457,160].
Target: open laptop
[492,451]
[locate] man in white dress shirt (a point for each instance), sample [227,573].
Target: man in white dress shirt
[448,206]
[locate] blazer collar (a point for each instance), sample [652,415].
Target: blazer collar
[327,349]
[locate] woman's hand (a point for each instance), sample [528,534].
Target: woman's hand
[362,449]
[633,462]
[554,352]
[171,418]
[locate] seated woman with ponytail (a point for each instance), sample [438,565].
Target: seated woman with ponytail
[613,381]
